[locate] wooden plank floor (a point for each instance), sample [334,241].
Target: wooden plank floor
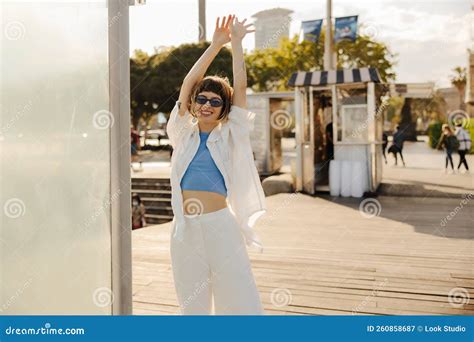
[323,257]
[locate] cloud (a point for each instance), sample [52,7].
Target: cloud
[430,37]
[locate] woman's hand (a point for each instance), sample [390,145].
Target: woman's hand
[197,72]
[222,32]
[238,30]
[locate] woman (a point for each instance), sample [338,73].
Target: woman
[464,139]
[449,141]
[216,191]
[138,212]
[135,144]
[397,145]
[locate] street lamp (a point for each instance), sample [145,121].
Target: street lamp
[202,21]
[329,54]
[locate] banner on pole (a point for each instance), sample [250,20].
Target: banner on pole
[311,29]
[345,28]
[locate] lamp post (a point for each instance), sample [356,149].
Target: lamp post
[202,21]
[329,54]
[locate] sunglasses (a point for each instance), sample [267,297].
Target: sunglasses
[214,102]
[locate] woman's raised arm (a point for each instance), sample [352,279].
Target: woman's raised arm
[221,36]
[238,31]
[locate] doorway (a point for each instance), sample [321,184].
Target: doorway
[322,133]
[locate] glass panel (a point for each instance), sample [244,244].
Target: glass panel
[354,123]
[259,134]
[282,119]
[55,159]
[352,118]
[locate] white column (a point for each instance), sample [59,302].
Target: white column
[120,178]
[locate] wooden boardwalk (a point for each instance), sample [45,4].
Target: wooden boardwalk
[323,257]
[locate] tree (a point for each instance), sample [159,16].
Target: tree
[139,71]
[407,125]
[459,81]
[365,52]
[270,69]
[429,109]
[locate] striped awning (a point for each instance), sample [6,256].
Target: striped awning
[320,78]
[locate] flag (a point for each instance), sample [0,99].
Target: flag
[311,29]
[345,28]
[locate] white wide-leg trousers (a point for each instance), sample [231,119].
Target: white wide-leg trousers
[211,267]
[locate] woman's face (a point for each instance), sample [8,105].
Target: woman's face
[205,112]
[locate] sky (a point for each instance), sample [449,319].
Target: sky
[430,37]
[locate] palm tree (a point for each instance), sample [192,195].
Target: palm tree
[459,81]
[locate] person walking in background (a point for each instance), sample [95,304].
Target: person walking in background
[135,145]
[138,212]
[329,142]
[397,145]
[384,145]
[464,139]
[449,142]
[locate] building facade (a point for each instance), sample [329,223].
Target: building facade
[270,26]
[470,85]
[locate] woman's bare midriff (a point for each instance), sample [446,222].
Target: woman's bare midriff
[201,202]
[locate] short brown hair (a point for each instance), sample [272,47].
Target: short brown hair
[446,127]
[218,85]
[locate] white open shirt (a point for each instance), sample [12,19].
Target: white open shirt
[230,148]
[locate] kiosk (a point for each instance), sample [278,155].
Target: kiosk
[339,126]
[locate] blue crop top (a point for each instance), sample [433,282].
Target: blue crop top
[202,173]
